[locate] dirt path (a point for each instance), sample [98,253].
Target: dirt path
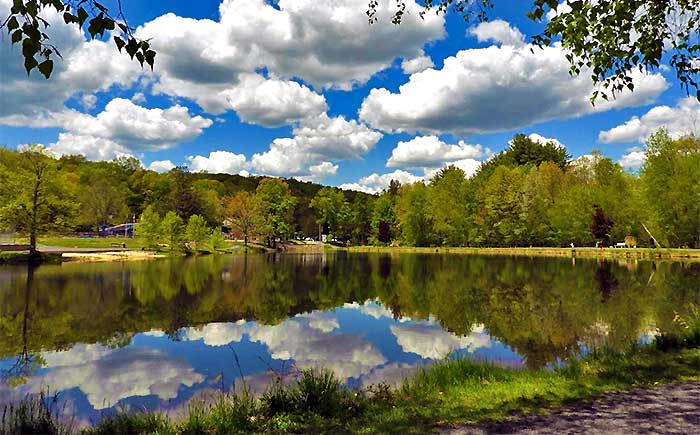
[670,409]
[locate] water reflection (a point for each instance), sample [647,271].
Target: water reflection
[155,334]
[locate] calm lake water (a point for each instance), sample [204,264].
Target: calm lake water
[156,334]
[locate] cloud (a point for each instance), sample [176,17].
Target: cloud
[417,64]
[469,166]
[88,101]
[633,160]
[430,151]
[92,147]
[273,103]
[541,139]
[316,145]
[216,334]
[680,120]
[430,341]
[498,31]
[219,162]
[138,98]
[375,183]
[123,128]
[308,339]
[214,63]
[494,89]
[122,373]
[326,44]
[161,165]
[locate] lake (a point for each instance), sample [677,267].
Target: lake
[153,335]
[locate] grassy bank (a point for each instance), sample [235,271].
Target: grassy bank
[448,392]
[23,257]
[640,253]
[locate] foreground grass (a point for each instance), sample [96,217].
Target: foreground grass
[448,392]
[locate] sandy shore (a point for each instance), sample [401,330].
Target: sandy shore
[111,256]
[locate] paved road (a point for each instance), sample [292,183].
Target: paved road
[670,409]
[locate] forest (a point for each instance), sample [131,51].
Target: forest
[531,194]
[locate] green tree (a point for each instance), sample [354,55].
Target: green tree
[671,188]
[384,220]
[184,200]
[601,225]
[172,230]
[328,206]
[36,196]
[277,205]
[149,226]
[102,202]
[523,151]
[243,211]
[197,232]
[415,215]
[361,216]
[501,213]
[449,206]
[216,240]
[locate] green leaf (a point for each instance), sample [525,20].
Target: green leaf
[12,24]
[82,16]
[30,63]
[16,36]
[119,42]
[46,67]
[150,56]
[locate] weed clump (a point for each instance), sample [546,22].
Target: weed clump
[34,415]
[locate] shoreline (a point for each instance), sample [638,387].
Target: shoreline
[106,255]
[631,253]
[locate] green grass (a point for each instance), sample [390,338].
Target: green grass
[96,243]
[34,415]
[448,392]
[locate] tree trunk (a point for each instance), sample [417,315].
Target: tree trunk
[35,209]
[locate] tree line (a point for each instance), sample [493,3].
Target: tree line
[531,194]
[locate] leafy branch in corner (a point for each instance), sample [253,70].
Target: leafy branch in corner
[26,25]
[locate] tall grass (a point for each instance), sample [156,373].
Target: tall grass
[34,415]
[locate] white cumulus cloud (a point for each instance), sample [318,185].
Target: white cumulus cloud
[430,151]
[316,145]
[498,31]
[219,162]
[375,182]
[161,165]
[417,64]
[683,119]
[430,341]
[633,160]
[494,89]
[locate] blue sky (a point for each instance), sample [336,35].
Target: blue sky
[308,89]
